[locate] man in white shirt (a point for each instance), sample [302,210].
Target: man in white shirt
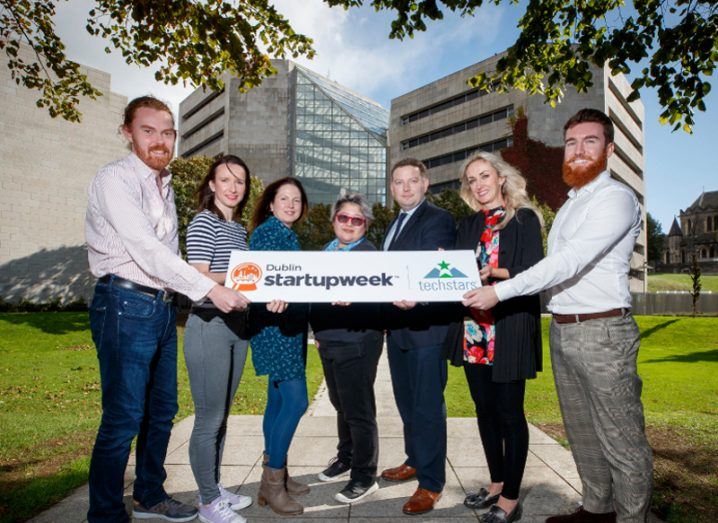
[131,233]
[594,339]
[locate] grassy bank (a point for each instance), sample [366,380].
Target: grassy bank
[678,362]
[50,406]
[680,282]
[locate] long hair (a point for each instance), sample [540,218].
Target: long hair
[262,211]
[205,195]
[513,189]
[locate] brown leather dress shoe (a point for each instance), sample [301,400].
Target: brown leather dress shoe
[421,502]
[400,473]
[584,516]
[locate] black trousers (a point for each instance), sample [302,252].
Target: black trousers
[502,426]
[350,371]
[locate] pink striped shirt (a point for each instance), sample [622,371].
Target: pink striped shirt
[131,230]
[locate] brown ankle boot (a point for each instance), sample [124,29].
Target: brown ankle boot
[272,492]
[294,488]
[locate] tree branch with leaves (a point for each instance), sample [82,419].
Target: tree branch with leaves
[671,46]
[188,41]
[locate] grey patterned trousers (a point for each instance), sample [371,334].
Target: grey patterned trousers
[594,365]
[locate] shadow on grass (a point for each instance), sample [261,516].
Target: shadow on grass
[691,357]
[50,322]
[684,490]
[15,466]
[649,332]
[20,500]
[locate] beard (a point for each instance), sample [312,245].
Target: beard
[155,162]
[579,175]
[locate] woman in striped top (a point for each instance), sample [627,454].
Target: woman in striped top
[215,343]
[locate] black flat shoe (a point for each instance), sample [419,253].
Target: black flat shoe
[481,499]
[498,515]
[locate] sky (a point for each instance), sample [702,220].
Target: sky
[353,48]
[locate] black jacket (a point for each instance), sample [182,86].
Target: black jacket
[346,324]
[517,345]
[428,229]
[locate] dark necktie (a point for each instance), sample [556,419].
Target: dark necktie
[397,229]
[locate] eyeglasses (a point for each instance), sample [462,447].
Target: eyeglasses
[354,220]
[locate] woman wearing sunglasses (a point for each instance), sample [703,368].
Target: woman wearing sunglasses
[349,339]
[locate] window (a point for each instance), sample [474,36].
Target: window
[442,106]
[458,156]
[484,119]
[333,149]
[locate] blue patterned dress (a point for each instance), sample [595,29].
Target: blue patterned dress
[278,341]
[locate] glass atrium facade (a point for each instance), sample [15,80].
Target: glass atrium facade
[340,140]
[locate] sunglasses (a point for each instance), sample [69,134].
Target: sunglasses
[354,220]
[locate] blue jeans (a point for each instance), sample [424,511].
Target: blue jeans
[136,341]
[286,403]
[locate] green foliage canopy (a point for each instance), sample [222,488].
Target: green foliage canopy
[669,45]
[188,40]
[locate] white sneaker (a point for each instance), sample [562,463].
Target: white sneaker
[219,512]
[235,501]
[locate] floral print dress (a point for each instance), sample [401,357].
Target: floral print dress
[479,328]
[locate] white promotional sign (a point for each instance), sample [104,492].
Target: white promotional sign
[379,276]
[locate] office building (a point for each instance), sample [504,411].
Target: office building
[444,122]
[296,123]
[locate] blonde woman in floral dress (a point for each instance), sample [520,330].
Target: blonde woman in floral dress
[502,346]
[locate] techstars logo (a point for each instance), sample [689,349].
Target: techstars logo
[444,277]
[445,271]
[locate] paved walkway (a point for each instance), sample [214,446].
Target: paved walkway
[550,484]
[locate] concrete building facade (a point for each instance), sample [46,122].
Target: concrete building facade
[296,123]
[47,166]
[444,122]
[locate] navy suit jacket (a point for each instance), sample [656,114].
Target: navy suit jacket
[428,229]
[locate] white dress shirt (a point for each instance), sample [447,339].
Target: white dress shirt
[589,251]
[131,230]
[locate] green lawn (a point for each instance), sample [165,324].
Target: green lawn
[680,282]
[678,362]
[50,406]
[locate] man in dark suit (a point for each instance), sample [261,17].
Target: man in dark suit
[415,339]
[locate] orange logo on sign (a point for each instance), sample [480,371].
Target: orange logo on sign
[245,277]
